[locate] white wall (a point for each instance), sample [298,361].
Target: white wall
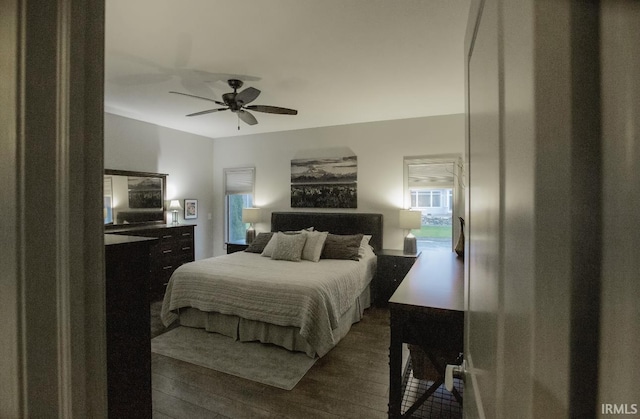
[186,158]
[380,147]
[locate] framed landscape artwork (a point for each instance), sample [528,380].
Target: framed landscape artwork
[190,209]
[328,182]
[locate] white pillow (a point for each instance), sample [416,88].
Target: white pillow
[364,244]
[289,247]
[314,244]
[268,249]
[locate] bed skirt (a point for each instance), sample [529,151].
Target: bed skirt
[286,336]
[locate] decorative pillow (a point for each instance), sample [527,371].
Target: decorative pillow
[364,244]
[259,243]
[268,249]
[314,245]
[342,247]
[289,247]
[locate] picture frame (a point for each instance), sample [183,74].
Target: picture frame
[325,181]
[190,209]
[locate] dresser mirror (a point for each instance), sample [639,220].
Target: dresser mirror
[134,198]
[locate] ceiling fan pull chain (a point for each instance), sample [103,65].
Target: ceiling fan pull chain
[238,121]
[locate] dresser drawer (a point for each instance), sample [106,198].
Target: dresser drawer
[185,233]
[165,262]
[170,264]
[159,280]
[185,247]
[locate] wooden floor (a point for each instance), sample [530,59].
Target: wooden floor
[351,381]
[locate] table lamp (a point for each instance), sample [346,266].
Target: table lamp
[250,215]
[410,220]
[174,207]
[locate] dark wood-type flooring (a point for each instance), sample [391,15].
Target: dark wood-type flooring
[351,381]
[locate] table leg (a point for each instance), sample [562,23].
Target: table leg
[395,368]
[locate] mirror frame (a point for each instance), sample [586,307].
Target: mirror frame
[163,176]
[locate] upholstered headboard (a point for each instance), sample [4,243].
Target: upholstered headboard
[133,217]
[336,223]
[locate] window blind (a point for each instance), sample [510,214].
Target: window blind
[430,175]
[239,181]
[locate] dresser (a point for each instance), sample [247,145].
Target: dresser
[174,247]
[392,266]
[128,334]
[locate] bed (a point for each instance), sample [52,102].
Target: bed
[304,306]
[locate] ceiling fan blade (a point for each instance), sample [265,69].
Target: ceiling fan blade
[247,117]
[248,95]
[272,109]
[199,97]
[207,111]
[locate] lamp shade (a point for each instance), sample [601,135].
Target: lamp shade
[250,215]
[174,205]
[410,220]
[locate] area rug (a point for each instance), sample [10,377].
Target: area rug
[266,364]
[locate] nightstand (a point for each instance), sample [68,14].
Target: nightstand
[233,247]
[393,266]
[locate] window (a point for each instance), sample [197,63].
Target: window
[426,198]
[238,194]
[431,186]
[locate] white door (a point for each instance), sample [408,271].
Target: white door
[553,162]
[521,176]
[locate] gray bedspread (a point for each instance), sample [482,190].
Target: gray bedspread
[308,295]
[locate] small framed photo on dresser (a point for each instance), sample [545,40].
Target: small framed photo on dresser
[190,209]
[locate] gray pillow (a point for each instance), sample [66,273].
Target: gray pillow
[314,245]
[338,246]
[289,247]
[259,243]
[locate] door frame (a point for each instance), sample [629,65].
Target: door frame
[52,302]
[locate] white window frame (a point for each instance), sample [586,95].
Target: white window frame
[239,180]
[458,186]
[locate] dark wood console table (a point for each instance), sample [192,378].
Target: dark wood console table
[427,310]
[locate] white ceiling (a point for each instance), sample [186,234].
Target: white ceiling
[335,61]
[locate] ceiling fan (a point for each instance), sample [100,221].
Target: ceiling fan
[238,103]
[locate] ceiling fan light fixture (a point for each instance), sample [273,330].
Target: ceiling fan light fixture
[236,102]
